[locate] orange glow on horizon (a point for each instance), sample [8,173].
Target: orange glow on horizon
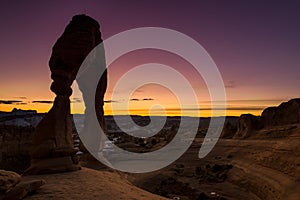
[43,108]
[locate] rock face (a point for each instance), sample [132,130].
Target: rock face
[229,130]
[246,125]
[8,180]
[53,149]
[12,188]
[15,142]
[285,113]
[79,38]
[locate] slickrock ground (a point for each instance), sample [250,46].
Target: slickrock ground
[88,184]
[265,166]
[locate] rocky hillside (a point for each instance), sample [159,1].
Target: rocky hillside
[273,123]
[258,157]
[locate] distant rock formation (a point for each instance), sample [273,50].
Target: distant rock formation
[16,111]
[246,125]
[229,130]
[23,118]
[285,113]
[53,149]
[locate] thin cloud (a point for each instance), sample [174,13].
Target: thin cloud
[257,100]
[76,100]
[231,84]
[44,102]
[201,109]
[22,103]
[110,101]
[229,108]
[124,91]
[148,99]
[237,109]
[10,102]
[247,101]
[145,99]
[20,97]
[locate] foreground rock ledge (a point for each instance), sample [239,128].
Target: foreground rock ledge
[12,187]
[89,184]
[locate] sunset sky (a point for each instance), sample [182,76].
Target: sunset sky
[255,45]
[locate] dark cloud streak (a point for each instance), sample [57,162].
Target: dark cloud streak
[9,102]
[110,101]
[229,108]
[76,100]
[145,99]
[44,102]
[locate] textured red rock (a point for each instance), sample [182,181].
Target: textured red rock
[246,125]
[8,180]
[285,113]
[53,135]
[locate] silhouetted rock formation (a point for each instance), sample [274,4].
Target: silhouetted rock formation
[53,149]
[18,117]
[246,125]
[229,130]
[15,142]
[285,113]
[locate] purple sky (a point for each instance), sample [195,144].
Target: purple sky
[255,44]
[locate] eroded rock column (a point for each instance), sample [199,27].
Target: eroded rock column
[53,149]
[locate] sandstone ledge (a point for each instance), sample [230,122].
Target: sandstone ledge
[88,184]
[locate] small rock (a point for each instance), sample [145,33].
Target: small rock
[8,180]
[203,196]
[22,189]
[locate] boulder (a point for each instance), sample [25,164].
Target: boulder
[8,180]
[23,189]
